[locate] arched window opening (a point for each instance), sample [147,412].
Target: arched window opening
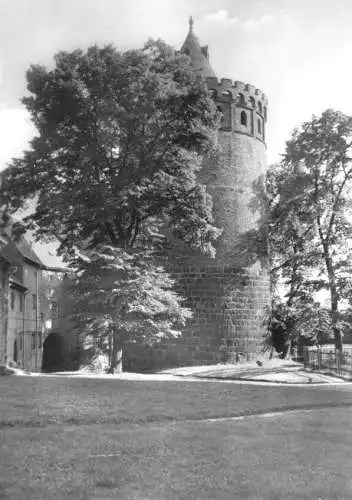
[221,113]
[260,107]
[252,102]
[259,126]
[265,113]
[244,118]
[240,99]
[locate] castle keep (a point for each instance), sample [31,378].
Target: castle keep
[229,295]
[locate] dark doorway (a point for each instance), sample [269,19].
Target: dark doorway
[53,359]
[15,353]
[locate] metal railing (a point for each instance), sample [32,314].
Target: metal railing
[327,359]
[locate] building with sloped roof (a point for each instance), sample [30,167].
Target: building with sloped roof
[25,301]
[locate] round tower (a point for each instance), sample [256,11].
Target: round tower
[229,294]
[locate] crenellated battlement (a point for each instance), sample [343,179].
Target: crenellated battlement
[241,93]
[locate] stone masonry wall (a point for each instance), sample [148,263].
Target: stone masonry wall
[229,295]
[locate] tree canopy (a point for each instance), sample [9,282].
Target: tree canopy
[121,137]
[113,168]
[311,213]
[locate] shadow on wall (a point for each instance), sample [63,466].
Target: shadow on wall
[53,358]
[252,246]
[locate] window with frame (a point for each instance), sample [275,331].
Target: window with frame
[34,299]
[221,113]
[53,307]
[244,120]
[12,300]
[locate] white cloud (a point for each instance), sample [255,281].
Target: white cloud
[266,19]
[16,130]
[222,16]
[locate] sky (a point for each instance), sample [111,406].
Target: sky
[297,51]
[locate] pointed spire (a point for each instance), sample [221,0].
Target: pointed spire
[191,23]
[199,56]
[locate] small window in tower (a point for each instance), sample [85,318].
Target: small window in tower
[252,101]
[240,99]
[265,113]
[221,113]
[244,118]
[12,301]
[259,126]
[213,93]
[260,108]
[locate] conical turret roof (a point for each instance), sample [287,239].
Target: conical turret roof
[198,54]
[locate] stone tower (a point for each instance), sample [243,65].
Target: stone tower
[229,295]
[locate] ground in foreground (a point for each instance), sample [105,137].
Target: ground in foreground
[98,439]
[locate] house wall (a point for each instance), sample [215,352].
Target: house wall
[3,311]
[25,324]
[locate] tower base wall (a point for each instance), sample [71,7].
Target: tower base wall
[229,308]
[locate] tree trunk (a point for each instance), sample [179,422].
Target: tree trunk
[334,296]
[287,349]
[116,353]
[334,299]
[334,319]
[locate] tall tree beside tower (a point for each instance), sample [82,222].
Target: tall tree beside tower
[120,140]
[312,212]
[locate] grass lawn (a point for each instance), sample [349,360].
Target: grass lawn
[80,439]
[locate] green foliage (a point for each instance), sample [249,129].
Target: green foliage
[121,296]
[121,137]
[113,169]
[298,323]
[311,213]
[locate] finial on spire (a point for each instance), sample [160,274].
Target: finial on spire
[191,23]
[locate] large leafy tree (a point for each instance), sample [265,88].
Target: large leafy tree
[311,213]
[121,137]
[120,297]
